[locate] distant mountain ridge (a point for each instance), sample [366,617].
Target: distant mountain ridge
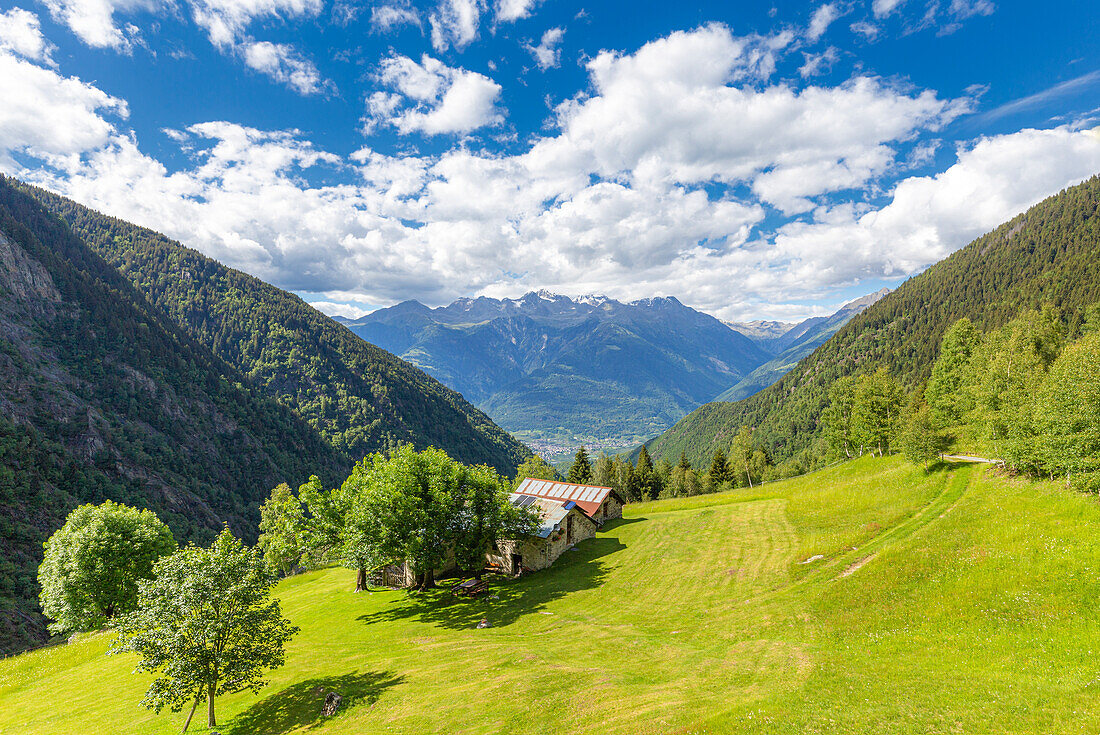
[552,365]
[796,343]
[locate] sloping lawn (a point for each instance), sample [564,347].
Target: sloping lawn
[948,602]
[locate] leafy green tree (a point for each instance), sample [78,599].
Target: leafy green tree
[741,454]
[920,438]
[944,393]
[1006,374]
[648,484]
[645,462]
[1067,411]
[581,471]
[603,473]
[322,532]
[205,626]
[281,524]
[535,467]
[875,412]
[94,563]
[420,507]
[836,419]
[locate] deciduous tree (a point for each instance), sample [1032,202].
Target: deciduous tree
[281,526]
[205,627]
[93,564]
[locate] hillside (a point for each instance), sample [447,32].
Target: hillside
[965,606]
[553,368]
[1051,253]
[104,397]
[793,344]
[361,398]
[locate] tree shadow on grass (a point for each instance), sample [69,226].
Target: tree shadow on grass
[300,705]
[507,600]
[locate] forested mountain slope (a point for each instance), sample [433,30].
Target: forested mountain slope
[359,397]
[794,344]
[557,367]
[1051,253]
[104,397]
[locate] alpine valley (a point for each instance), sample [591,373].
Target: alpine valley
[558,372]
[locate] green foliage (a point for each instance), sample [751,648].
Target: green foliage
[943,392]
[535,467]
[93,564]
[720,471]
[749,460]
[421,507]
[581,471]
[1067,412]
[920,438]
[204,625]
[281,525]
[875,412]
[358,397]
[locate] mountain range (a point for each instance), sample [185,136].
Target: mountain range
[557,371]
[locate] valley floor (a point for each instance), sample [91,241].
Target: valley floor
[950,602]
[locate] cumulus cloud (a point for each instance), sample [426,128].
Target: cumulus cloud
[432,98]
[283,64]
[21,33]
[512,10]
[225,21]
[455,23]
[93,20]
[604,203]
[49,116]
[547,54]
[815,64]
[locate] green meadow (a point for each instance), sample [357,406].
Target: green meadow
[868,597]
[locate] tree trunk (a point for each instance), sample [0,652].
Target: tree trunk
[210,721]
[195,706]
[428,581]
[361,580]
[748,476]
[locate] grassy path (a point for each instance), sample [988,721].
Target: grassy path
[975,611]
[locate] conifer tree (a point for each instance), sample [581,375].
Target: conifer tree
[581,471]
[719,468]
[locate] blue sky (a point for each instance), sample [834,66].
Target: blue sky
[753,160]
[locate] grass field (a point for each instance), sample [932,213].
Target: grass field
[954,602]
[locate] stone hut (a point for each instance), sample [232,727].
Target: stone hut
[562,524]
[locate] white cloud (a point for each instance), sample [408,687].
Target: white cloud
[432,98]
[225,21]
[333,308]
[883,8]
[384,18]
[866,29]
[50,117]
[513,10]
[93,20]
[547,54]
[821,20]
[455,23]
[21,33]
[816,64]
[608,203]
[283,64]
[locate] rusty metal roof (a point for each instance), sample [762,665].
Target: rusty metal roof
[551,511]
[587,497]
